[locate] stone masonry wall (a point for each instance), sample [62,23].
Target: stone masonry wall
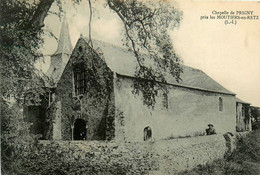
[97,103]
[188,114]
[160,157]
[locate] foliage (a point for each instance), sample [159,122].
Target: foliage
[21,31]
[19,49]
[20,42]
[244,160]
[247,148]
[69,158]
[146,31]
[15,138]
[146,26]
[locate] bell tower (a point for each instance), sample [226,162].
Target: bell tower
[61,56]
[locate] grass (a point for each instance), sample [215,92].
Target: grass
[245,160]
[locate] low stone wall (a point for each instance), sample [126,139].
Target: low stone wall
[162,156]
[182,154]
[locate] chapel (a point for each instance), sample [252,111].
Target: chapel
[92,98]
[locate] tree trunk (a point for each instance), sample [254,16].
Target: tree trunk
[40,13]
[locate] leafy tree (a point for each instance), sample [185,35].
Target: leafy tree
[20,39]
[146,24]
[21,28]
[16,141]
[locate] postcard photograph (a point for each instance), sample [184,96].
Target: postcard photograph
[130,87]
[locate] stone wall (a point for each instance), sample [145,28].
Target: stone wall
[162,157]
[96,105]
[188,114]
[36,116]
[243,117]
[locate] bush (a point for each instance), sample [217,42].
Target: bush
[247,149]
[16,142]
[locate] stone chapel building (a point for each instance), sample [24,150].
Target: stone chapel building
[92,98]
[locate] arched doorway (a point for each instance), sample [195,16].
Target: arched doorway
[80,131]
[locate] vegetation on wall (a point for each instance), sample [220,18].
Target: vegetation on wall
[244,160]
[55,158]
[146,27]
[92,100]
[16,141]
[20,40]
[21,32]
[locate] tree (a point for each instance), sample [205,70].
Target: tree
[146,27]
[21,30]
[146,24]
[15,138]
[20,39]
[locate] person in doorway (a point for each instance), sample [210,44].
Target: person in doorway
[210,130]
[83,135]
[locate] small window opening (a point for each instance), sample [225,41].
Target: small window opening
[80,49]
[243,111]
[147,133]
[165,100]
[220,104]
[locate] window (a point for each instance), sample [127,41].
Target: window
[220,104]
[80,49]
[243,111]
[165,100]
[80,81]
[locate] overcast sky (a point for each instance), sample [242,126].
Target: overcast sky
[230,54]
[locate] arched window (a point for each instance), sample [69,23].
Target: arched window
[147,133]
[80,81]
[220,104]
[80,49]
[165,100]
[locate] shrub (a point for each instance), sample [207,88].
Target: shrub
[247,148]
[16,142]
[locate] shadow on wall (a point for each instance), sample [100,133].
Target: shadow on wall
[101,130]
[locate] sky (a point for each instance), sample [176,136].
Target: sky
[229,53]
